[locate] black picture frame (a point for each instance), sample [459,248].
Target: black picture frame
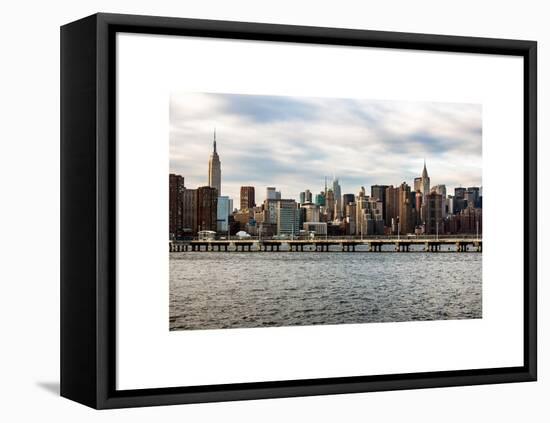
[88,199]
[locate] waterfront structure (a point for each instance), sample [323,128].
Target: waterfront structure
[214,169]
[318,228]
[176,187]
[207,208]
[288,217]
[225,207]
[248,200]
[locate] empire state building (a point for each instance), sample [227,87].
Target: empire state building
[214,169]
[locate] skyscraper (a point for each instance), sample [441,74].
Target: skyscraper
[330,205]
[175,205]
[442,190]
[392,206]
[458,203]
[379,192]
[207,208]
[225,206]
[320,199]
[425,181]
[189,212]
[248,200]
[271,193]
[360,207]
[434,222]
[337,198]
[288,217]
[418,184]
[346,199]
[214,169]
[406,224]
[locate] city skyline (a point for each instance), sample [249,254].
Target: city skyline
[291,155]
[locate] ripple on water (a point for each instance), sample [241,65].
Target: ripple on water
[219,290]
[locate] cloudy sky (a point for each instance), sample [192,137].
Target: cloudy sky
[292,143]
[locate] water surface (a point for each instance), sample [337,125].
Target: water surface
[215,290]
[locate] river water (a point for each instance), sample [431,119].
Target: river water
[215,290]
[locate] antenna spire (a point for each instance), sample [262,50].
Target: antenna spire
[214,140]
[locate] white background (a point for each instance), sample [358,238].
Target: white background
[148,355]
[29,171]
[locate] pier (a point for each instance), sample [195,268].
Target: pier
[391,244]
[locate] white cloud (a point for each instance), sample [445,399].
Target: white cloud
[292,143]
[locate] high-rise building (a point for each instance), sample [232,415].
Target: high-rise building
[418,184]
[271,193]
[270,208]
[470,221]
[351,218]
[472,197]
[405,223]
[348,198]
[373,215]
[330,205]
[360,207]
[305,197]
[392,206]
[418,203]
[434,221]
[442,190]
[225,206]
[189,212]
[449,204]
[320,199]
[214,170]
[248,200]
[207,208]
[176,187]
[425,181]
[379,192]
[458,203]
[337,190]
[311,212]
[288,217]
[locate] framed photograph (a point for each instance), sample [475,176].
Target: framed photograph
[257,211]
